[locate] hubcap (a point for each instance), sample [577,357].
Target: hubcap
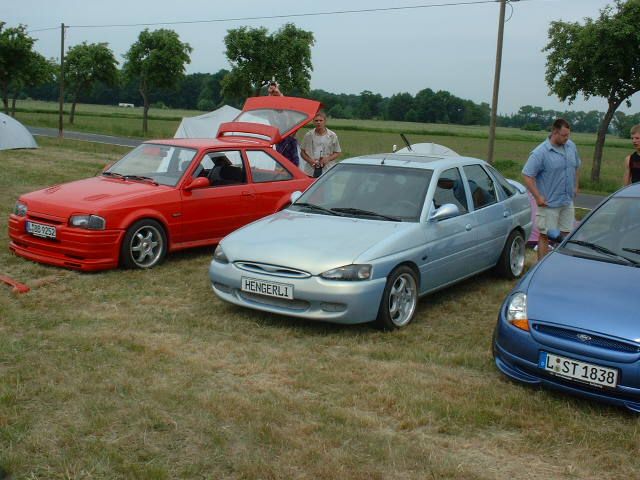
[402,300]
[146,246]
[516,256]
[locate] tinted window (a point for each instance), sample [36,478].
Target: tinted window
[481,186]
[264,168]
[450,189]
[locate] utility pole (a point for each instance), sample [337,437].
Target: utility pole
[61,99]
[496,83]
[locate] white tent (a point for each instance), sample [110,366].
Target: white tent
[14,135]
[206,126]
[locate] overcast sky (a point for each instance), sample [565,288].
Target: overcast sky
[451,47]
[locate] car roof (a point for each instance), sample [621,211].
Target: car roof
[414,160]
[209,142]
[630,191]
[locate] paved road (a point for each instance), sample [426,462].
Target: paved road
[583,200]
[86,137]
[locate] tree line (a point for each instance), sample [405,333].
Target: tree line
[600,58]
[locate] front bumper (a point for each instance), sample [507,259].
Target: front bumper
[315,298]
[516,354]
[75,248]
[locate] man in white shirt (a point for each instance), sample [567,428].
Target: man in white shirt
[320,148]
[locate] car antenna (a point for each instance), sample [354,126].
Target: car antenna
[406,142]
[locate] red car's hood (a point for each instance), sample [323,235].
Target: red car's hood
[91,195]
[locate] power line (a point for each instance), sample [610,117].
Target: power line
[275,17]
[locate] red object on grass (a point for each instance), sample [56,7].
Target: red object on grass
[17,286]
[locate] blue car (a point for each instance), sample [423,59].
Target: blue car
[573,321]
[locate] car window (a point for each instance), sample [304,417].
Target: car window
[165,164]
[370,191]
[264,168]
[503,185]
[222,168]
[614,226]
[480,185]
[450,189]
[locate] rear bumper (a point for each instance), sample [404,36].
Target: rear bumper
[74,248]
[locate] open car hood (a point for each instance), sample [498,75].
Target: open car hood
[271,118]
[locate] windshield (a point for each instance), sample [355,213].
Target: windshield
[377,192]
[283,120]
[612,233]
[162,164]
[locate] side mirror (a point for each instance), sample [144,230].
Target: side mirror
[200,182]
[447,210]
[295,196]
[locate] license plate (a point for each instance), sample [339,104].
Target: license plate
[577,370]
[264,287]
[40,230]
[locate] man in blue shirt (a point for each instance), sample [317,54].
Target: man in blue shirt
[551,175]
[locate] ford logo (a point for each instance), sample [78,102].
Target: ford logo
[583,338]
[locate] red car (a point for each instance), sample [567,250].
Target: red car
[166,195]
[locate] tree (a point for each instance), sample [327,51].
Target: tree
[86,64]
[15,54]
[36,71]
[156,60]
[256,57]
[398,106]
[600,58]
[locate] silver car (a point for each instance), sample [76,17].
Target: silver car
[372,235]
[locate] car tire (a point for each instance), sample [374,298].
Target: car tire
[511,263]
[144,245]
[399,299]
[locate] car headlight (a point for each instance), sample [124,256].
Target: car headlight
[20,209]
[89,222]
[348,272]
[517,311]
[219,255]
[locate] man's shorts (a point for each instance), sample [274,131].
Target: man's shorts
[562,218]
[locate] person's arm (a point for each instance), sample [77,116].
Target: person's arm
[627,171]
[329,158]
[577,181]
[530,182]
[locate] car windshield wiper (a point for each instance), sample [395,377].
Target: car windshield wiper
[632,250]
[359,211]
[313,206]
[606,251]
[113,174]
[140,178]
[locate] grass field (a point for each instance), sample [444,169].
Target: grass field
[357,137]
[146,375]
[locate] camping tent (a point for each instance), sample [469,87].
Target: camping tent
[206,126]
[14,135]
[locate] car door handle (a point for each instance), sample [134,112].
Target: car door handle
[505,214]
[468,227]
[248,194]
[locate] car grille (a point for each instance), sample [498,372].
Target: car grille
[300,305]
[594,340]
[276,270]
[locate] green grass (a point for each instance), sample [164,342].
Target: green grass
[147,375]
